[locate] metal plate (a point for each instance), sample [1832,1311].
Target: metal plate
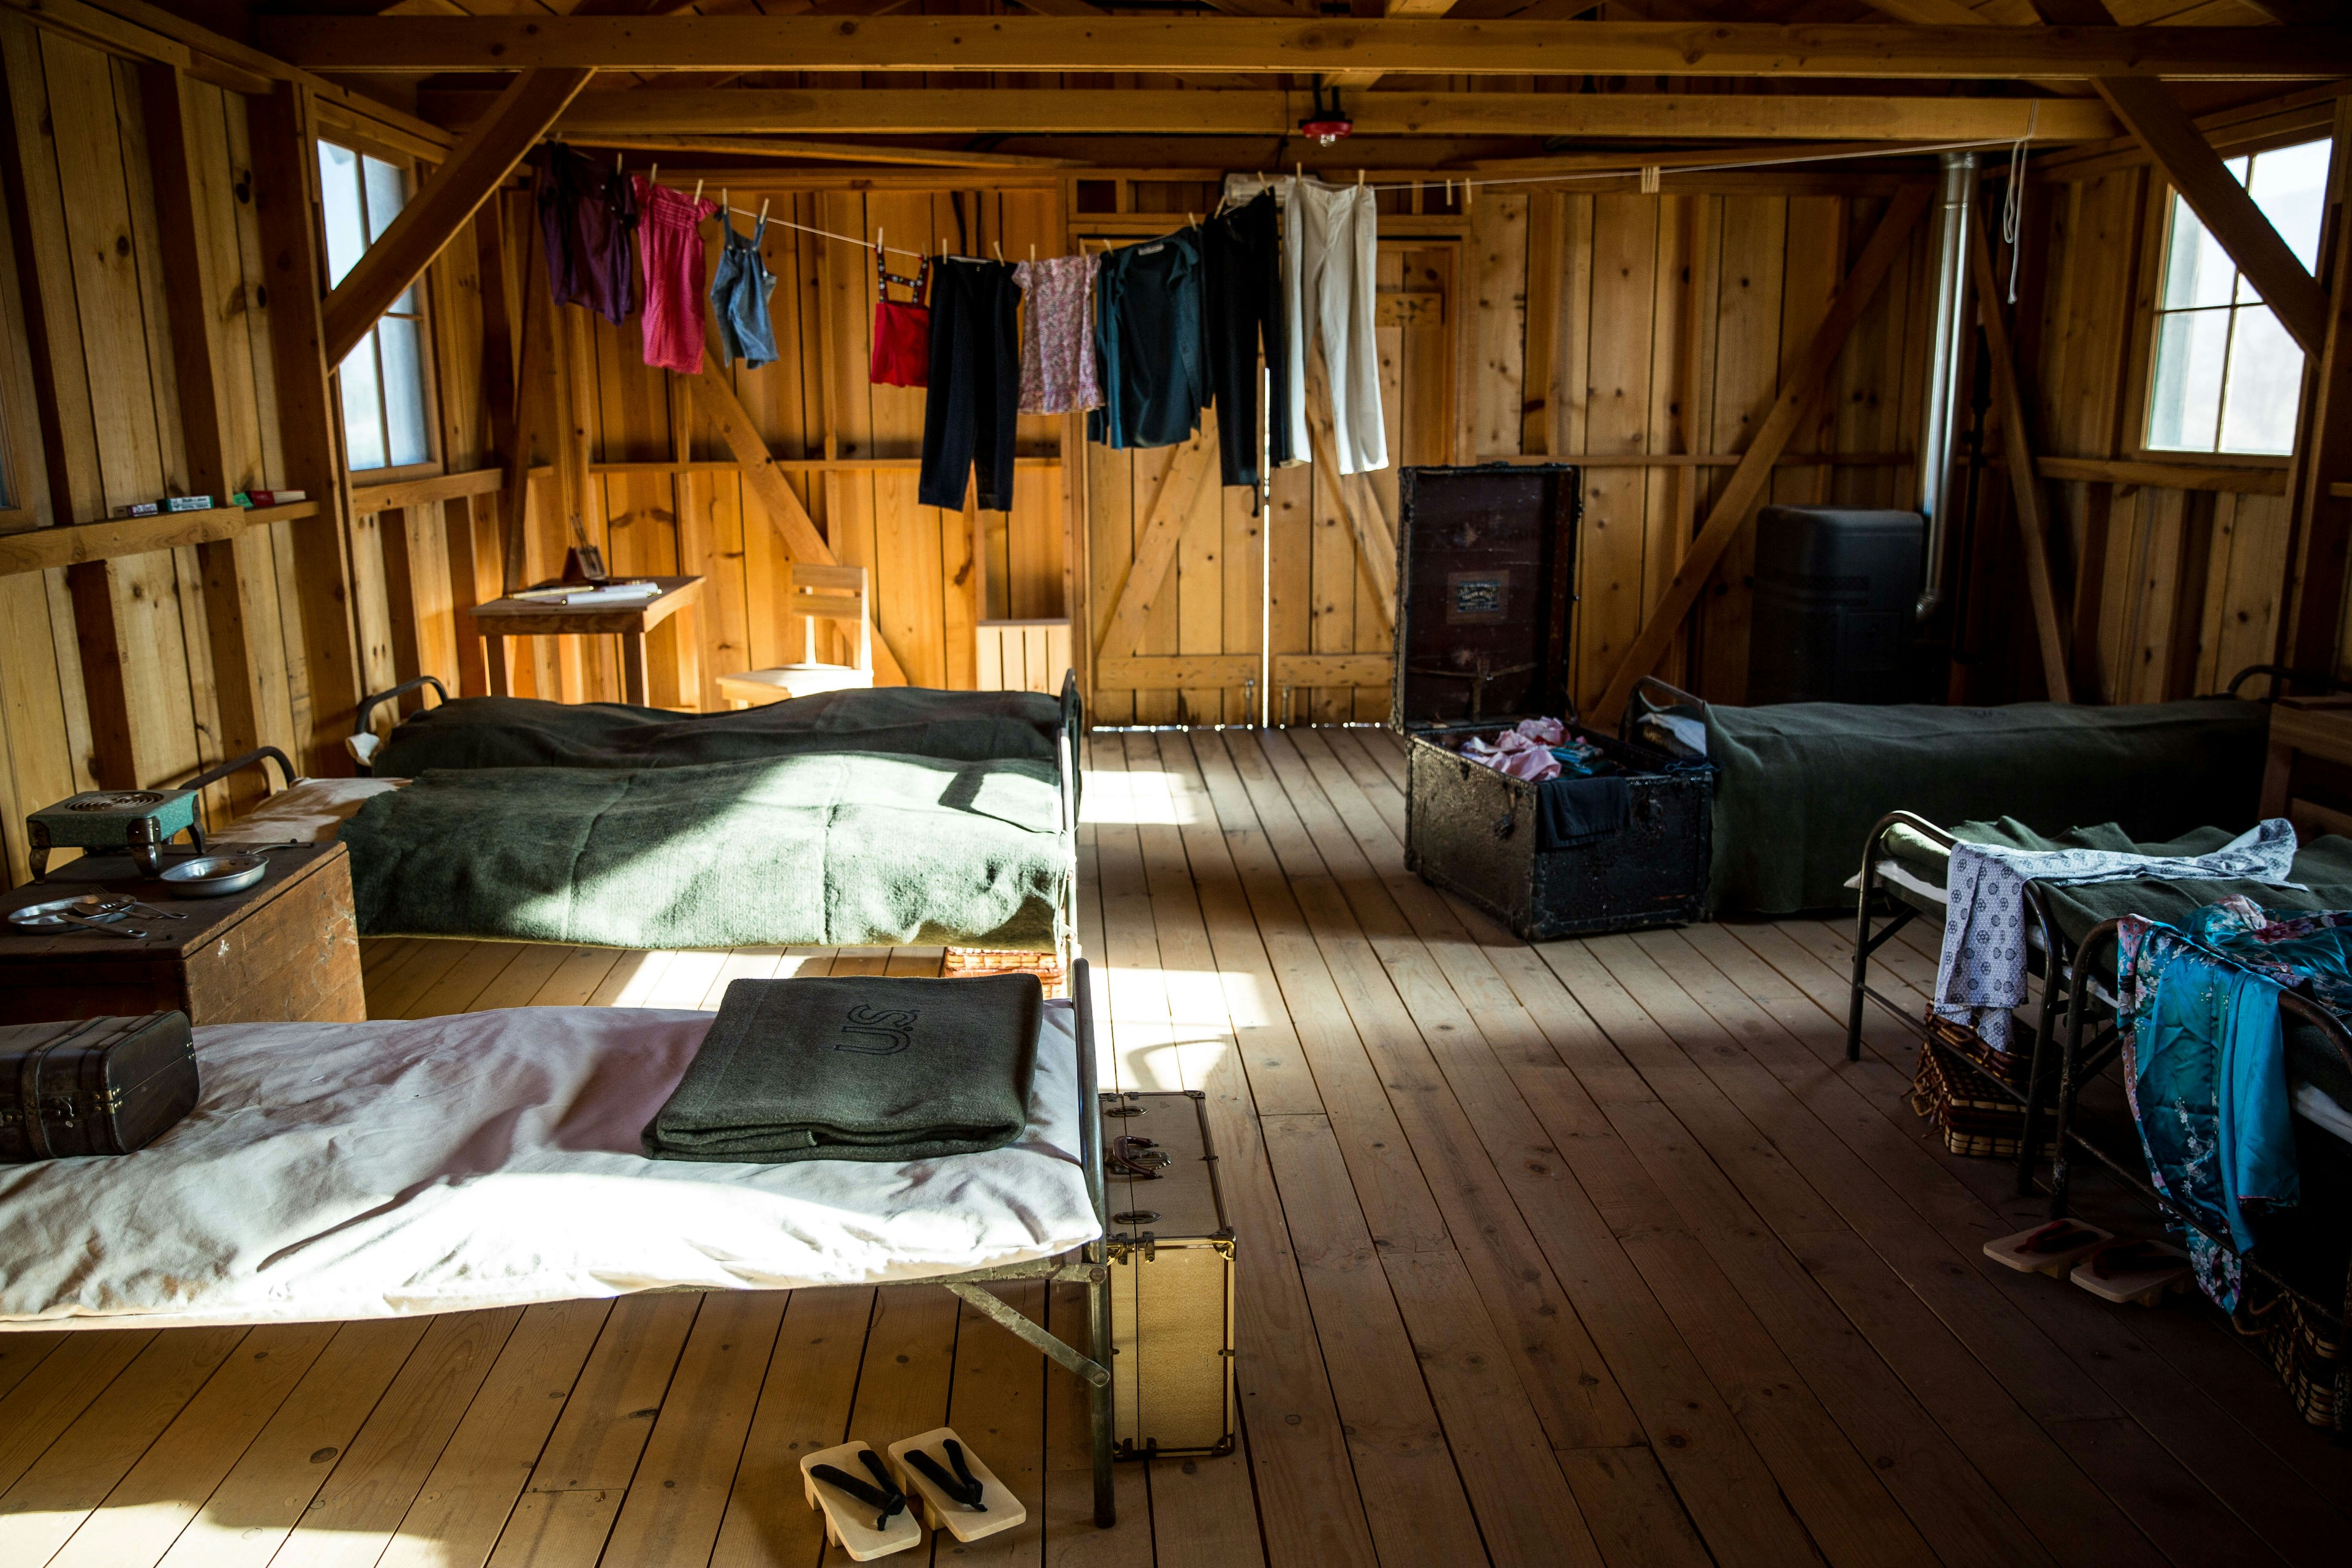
[210,876]
[44,916]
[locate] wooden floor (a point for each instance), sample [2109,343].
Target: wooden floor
[1591,1253]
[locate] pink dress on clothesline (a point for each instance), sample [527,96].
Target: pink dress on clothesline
[669,249]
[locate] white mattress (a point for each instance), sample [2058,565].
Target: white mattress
[311,812]
[337,1171]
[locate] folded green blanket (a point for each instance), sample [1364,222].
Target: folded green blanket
[861,1069]
[1802,782]
[902,721]
[833,849]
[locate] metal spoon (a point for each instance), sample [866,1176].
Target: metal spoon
[97,906]
[71,919]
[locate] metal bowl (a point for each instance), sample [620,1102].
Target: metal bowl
[211,876]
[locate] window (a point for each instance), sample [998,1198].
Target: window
[2227,376]
[387,423]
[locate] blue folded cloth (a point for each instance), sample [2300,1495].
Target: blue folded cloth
[1572,811]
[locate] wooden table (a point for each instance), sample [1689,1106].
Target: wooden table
[285,949]
[502,618]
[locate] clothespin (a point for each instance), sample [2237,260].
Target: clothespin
[724,207]
[1033,253]
[999,245]
[1449,193]
[1359,179]
[652,175]
[616,161]
[1650,174]
[764,210]
[1469,195]
[1192,219]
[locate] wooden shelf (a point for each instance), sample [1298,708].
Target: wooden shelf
[74,544]
[2249,481]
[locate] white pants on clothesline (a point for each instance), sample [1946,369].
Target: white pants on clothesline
[1330,242]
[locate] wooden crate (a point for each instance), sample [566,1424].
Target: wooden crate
[284,951]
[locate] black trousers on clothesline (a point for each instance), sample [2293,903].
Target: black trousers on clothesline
[975,384]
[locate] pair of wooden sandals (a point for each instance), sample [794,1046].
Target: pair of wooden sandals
[2112,1270]
[869,1507]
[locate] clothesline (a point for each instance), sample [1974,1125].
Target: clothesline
[1449,182]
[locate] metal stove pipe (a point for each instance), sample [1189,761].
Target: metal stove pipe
[1950,326]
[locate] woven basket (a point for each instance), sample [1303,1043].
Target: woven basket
[964,961]
[2309,1355]
[1973,1120]
[2008,1067]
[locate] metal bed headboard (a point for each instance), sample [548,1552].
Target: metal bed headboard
[373,700]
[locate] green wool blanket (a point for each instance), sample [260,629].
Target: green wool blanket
[856,1068]
[902,721]
[833,849]
[1801,783]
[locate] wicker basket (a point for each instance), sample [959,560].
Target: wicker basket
[1974,1119]
[964,961]
[2011,1068]
[2309,1355]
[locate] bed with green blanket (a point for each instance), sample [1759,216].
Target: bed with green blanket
[839,848]
[902,721]
[1799,785]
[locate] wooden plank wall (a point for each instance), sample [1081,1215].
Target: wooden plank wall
[2173,591]
[1677,314]
[91,393]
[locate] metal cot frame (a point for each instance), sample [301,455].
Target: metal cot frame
[1090,1266]
[2079,1015]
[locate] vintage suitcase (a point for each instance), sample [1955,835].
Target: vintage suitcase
[1485,568]
[93,1086]
[1172,1278]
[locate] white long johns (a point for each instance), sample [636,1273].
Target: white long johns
[1330,237]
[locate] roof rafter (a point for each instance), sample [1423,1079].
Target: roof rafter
[971,112]
[1440,46]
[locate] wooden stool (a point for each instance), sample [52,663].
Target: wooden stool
[999,1509]
[848,1523]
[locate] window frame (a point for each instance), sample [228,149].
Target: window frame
[354,140]
[2148,316]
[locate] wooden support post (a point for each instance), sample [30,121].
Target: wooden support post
[2090,591]
[1798,389]
[237,726]
[2025,485]
[285,179]
[523,414]
[2319,540]
[437,214]
[775,495]
[1547,218]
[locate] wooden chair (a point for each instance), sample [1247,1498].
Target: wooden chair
[814,593]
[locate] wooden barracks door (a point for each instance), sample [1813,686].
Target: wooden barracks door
[1208,607]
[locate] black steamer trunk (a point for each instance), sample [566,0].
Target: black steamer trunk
[1486,603]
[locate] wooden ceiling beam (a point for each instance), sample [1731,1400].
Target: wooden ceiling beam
[956,112]
[1317,47]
